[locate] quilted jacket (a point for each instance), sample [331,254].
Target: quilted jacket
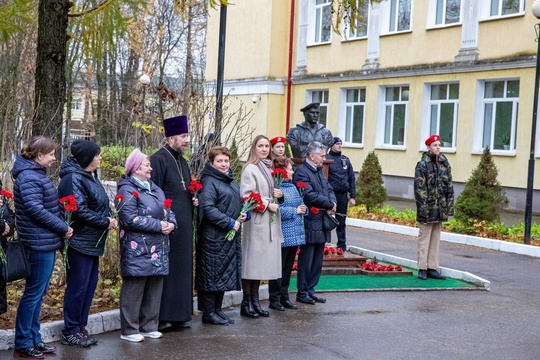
[292,224]
[218,260]
[144,250]
[39,222]
[90,221]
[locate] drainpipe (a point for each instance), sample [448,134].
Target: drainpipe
[289,71]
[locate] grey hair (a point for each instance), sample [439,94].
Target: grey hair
[314,146]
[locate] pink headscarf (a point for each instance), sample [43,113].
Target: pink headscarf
[134,160]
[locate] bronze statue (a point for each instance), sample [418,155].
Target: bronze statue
[309,130]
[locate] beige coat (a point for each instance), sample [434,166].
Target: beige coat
[261,240]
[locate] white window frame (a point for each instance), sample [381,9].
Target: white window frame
[315,20]
[345,124]
[349,33]
[427,104]
[486,10]
[76,104]
[382,106]
[481,102]
[387,20]
[310,97]
[432,14]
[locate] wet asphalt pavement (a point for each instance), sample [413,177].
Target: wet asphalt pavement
[500,324]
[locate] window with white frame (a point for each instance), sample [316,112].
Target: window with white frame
[76,104]
[395,114]
[321,96]
[501,8]
[500,106]
[447,12]
[361,26]
[443,106]
[321,18]
[397,15]
[355,101]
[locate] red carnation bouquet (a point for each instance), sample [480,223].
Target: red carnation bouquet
[301,188]
[279,175]
[119,204]
[194,188]
[70,205]
[167,205]
[5,195]
[251,202]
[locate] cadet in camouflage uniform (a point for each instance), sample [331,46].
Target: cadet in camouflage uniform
[434,195]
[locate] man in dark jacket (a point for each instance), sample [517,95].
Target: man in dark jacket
[171,173]
[434,195]
[318,197]
[341,177]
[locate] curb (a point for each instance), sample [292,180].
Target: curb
[499,245]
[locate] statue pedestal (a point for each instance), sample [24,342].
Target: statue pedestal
[326,164]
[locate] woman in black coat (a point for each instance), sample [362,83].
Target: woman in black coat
[7,227]
[91,221]
[218,260]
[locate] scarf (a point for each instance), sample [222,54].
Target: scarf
[265,165]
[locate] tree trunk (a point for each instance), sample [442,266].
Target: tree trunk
[50,90]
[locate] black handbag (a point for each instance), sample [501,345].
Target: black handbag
[17,265]
[329,222]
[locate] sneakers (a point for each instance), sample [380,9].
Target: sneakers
[28,353]
[132,337]
[76,339]
[152,334]
[91,340]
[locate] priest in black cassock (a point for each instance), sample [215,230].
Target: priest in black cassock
[170,171]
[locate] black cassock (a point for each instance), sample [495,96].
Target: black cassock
[168,171]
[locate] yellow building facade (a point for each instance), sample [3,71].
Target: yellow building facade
[464,69]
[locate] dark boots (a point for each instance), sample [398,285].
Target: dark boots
[246,309]
[257,306]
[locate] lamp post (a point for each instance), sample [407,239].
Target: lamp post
[530,177]
[145,81]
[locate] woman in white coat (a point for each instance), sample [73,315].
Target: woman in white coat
[262,238]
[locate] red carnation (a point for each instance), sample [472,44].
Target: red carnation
[135,194]
[167,203]
[301,185]
[119,197]
[314,210]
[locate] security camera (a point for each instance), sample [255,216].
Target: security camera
[255,98]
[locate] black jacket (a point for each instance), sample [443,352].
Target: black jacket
[8,218]
[318,194]
[341,174]
[91,219]
[218,260]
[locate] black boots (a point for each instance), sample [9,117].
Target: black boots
[257,306]
[434,274]
[213,318]
[246,309]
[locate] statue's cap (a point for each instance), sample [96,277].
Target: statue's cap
[310,106]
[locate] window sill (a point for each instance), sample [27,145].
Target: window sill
[353,146]
[319,44]
[351,39]
[391,147]
[397,33]
[503,17]
[508,153]
[443,26]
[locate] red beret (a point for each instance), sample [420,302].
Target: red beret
[277,139]
[432,138]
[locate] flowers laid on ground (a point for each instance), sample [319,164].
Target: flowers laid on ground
[194,188]
[330,250]
[279,175]
[251,202]
[5,195]
[70,205]
[370,266]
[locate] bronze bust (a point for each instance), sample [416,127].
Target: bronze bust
[307,131]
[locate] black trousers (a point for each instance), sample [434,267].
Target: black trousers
[310,262]
[341,208]
[209,301]
[279,288]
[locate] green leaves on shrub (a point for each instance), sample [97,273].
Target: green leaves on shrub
[369,185]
